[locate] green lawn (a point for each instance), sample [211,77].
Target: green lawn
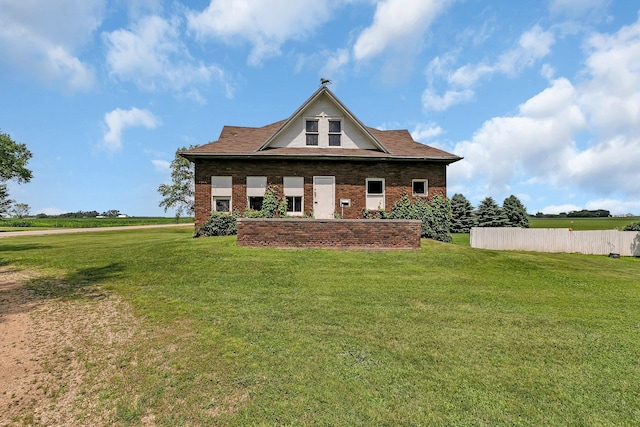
[447,335]
[583,223]
[26,224]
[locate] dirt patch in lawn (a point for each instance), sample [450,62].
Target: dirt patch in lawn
[57,348]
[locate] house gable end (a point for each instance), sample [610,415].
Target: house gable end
[323,122]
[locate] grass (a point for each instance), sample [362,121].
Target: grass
[583,223]
[447,335]
[46,223]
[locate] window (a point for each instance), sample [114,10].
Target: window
[294,205]
[335,133]
[294,192]
[311,128]
[375,194]
[256,186]
[255,203]
[375,186]
[222,204]
[419,187]
[221,193]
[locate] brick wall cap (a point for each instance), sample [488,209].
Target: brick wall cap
[311,220]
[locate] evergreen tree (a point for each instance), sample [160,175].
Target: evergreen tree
[462,216]
[515,212]
[489,214]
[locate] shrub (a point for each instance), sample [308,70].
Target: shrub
[634,226]
[438,220]
[270,202]
[435,217]
[219,224]
[17,223]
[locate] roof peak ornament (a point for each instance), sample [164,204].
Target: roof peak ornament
[324,82]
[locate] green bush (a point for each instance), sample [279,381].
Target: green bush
[634,226]
[219,224]
[16,223]
[270,202]
[435,216]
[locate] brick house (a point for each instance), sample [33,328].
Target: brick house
[322,159]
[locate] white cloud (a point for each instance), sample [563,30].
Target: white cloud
[118,120]
[556,209]
[433,102]
[533,45]
[616,207]
[397,23]
[335,62]
[41,38]
[424,131]
[582,136]
[538,141]
[265,25]
[152,56]
[162,165]
[577,8]
[52,211]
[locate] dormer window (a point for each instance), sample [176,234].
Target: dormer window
[311,129]
[335,133]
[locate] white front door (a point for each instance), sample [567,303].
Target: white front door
[324,197]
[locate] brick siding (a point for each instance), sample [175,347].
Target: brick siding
[350,178]
[329,233]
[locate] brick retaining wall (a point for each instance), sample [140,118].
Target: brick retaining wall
[329,233]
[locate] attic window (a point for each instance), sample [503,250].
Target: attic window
[311,128]
[335,133]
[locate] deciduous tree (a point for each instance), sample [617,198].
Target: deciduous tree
[179,195]
[5,201]
[13,160]
[20,210]
[13,166]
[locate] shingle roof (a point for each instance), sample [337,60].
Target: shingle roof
[237,141]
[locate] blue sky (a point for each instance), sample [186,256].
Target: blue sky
[542,98]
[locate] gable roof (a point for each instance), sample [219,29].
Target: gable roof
[252,142]
[324,91]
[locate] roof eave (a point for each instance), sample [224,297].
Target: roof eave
[253,156]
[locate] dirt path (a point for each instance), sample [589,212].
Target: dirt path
[46,345]
[84,230]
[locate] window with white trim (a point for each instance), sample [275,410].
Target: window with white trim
[294,193]
[311,130]
[419,187]
[335,133]
[256,186]
[221,193]
[375,194]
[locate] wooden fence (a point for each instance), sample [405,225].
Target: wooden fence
[601,242]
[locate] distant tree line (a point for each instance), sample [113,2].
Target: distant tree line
[512,213]
[112,213]
[584,213]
